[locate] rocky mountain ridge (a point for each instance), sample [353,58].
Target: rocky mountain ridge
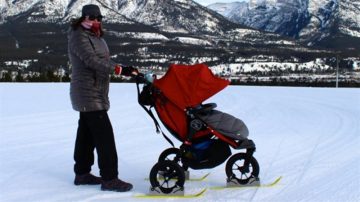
[139,32]
[313,22]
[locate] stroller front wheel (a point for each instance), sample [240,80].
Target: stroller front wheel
[235,168]
[167,176]
[172,154]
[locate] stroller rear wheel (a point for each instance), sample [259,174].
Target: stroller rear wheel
[235,168]
[168,176]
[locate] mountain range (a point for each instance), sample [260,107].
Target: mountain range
[170,16]
[148,32]
[328,23]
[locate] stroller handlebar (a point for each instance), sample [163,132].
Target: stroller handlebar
[140,78]
[147,77]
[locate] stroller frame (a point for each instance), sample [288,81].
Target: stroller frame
[173,170]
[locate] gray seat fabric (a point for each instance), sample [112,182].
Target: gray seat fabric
[226,124]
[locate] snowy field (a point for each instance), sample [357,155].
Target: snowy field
[309,136]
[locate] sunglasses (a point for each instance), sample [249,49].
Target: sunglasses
[93,17]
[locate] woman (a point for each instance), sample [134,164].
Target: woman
[89,88]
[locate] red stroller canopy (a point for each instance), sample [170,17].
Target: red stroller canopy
[189,85]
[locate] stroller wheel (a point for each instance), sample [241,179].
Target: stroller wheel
[235,168]
[168,176]
[171,154]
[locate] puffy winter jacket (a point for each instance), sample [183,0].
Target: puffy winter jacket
[91,66]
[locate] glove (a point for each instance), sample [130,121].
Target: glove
[129,71]
[118,69]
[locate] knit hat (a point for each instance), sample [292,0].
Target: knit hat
[90,10]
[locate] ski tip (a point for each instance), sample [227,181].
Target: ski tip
[205,176]
[199,179]
[276,181]
[202,192]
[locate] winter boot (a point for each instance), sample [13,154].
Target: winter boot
[116,185]
[87,179]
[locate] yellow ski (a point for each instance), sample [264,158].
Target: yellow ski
[275,182]
[199,194]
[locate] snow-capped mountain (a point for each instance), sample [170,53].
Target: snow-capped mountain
[179,17]
[310,21]
[3,6]
[140,32]
[349,16]
[55,11]
[230,10]
[271,17]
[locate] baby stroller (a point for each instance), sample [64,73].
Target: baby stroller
[206,134]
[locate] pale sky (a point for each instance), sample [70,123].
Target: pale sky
[208,2]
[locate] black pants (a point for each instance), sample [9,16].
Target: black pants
[95,132]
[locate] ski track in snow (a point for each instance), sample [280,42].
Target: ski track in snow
[310,136]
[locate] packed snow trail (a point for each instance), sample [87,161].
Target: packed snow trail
[309,136]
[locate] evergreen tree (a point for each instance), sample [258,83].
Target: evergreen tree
[66,78]
[43,77]
[6,77]
[50,76]
[19,77]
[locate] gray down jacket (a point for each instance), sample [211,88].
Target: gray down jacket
[91,66]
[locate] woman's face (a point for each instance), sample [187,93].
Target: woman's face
[94,18]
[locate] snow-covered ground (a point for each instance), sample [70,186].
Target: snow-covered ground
[310,136]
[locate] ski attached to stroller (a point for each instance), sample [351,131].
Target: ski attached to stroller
[160,195]
[236,186]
